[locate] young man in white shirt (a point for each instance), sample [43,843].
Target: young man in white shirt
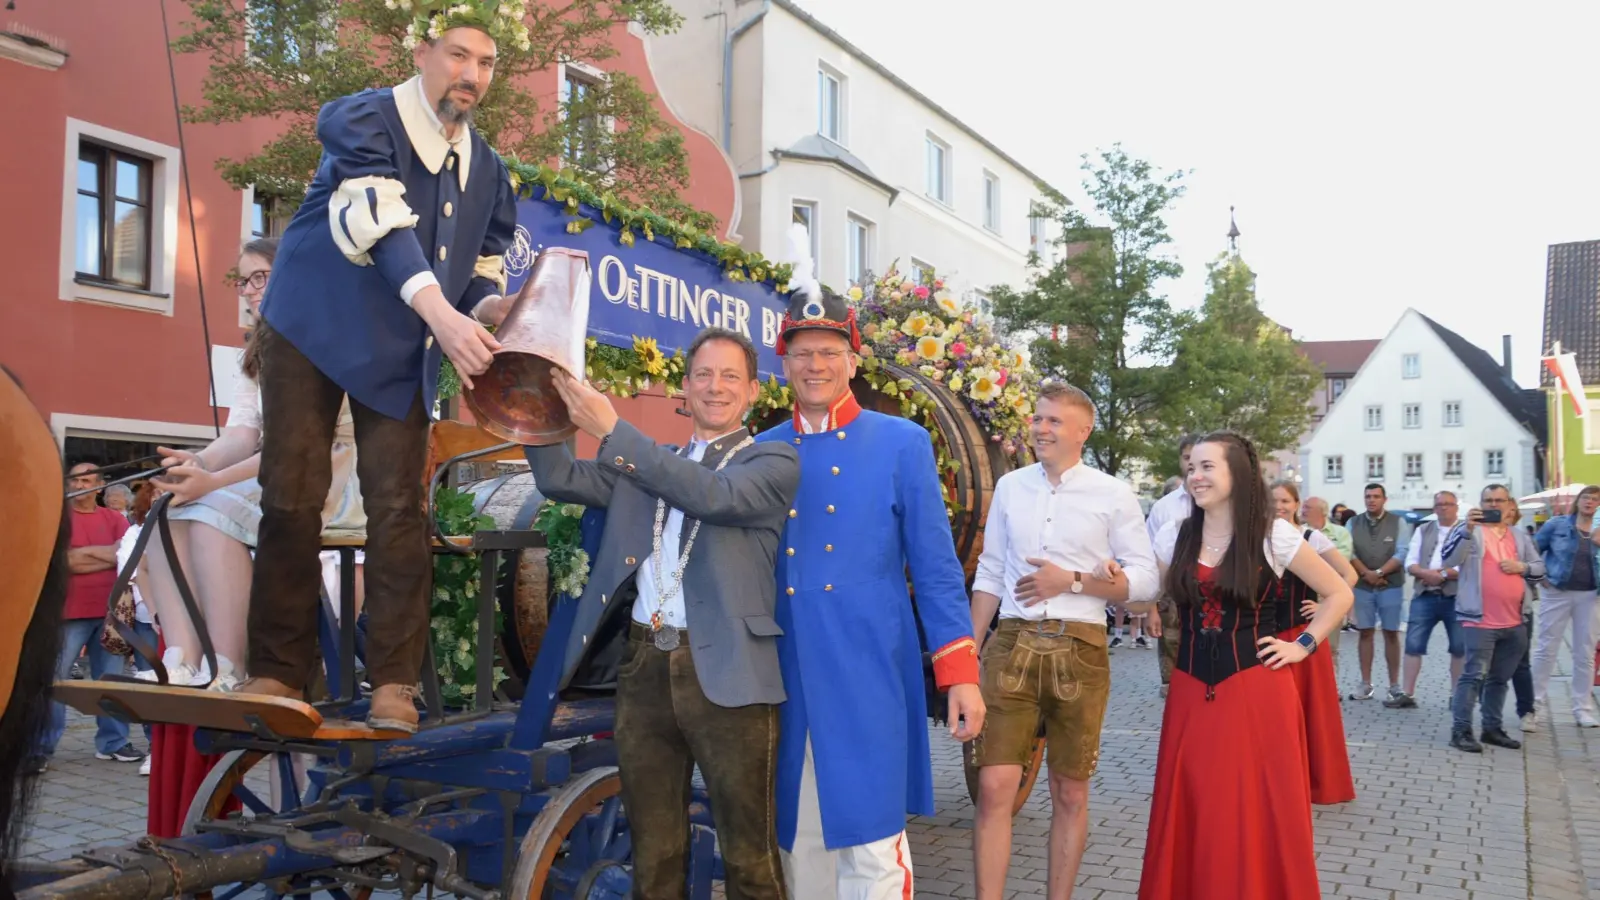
[1175,506]
[1061,542]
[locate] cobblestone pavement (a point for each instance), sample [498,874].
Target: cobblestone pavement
[1427,820]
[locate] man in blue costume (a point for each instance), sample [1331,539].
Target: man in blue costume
[394,257]
[853,746]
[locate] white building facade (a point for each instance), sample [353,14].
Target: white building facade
[821,133]
[1427,412]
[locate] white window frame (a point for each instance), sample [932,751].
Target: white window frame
[855,268]
[918,266]
[1333,469]
[1411,365]
[991,201]
[1336,389]
[1458,470]
[1447,418]
[1489,469]
[1375,472]
[944,182]
[841,110]
[1591,432]
[583,72]
[164,175]
[1413,466]
[814,209]
[1411,415]
[1368,417]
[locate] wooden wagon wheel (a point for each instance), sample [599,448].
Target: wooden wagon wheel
[226,781]
[1030,774]
[581,826]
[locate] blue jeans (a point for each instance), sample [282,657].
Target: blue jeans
[76,634]
[1378,606]
[147,633]
[1493,655]
[1522,679]
[1427,610]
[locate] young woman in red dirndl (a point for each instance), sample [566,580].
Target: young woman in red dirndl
[1328,760]
[1230,818]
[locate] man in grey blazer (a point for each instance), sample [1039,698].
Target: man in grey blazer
[690,541]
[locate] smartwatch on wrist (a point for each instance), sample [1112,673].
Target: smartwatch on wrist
[1307,640]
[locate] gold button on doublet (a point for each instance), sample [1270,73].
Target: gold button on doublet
[448,209]
[628,467]
[450,162]
[841,435]
[443,252]
[835,470]
[428,344]
[790,551]
[629,561]
[618,460]
[792,514]
[830,507]
[790,591]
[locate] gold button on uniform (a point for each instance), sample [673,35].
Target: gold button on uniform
[841,435]
[790,551]
[828,548]
[827,587]
[629,561]
[448,209]
[792,514]
[450,162]
[797,440]
[835,470]
[618,460]
[628,467]
[443,252]
[790,591]
[428,344]
[830,507]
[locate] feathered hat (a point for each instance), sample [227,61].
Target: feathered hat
[812,305]
[502,20]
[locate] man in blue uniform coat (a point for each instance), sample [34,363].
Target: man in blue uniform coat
[395,249]
[853,746]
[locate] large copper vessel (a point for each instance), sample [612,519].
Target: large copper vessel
[544,329]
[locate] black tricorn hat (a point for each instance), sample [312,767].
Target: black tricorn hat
[818,309]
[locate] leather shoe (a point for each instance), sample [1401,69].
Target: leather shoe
[267,687]
[1462,740]
[1498,738]
[394,708]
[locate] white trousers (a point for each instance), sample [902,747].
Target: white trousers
[880,870]
[1557,610]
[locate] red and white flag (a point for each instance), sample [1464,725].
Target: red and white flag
[1564,368]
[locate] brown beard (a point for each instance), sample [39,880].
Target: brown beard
[451,114]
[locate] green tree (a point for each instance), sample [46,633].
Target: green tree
[1098,315]
[1235,368]
[284,59]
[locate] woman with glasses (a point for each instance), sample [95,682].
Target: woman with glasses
[214,515]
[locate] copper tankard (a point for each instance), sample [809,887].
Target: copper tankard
[545,328]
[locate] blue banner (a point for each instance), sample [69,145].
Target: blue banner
[650,289]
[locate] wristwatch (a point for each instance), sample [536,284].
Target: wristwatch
[1307,640]
[1077,582]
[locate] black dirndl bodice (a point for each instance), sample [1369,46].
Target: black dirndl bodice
[1219,639]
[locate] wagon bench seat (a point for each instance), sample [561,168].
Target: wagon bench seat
[145,703]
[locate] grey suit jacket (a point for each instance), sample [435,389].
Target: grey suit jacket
[729,593]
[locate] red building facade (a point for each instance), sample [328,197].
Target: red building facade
[102,315]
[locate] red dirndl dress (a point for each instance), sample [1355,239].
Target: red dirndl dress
[1327,758]
[1231,815]
[176,771]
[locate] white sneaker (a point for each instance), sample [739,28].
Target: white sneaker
[1530,722]
[1586,719]
[179,672]
[144,767]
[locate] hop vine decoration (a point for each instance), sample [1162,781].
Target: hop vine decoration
[453,608]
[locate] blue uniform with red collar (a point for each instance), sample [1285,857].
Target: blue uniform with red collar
[869,506]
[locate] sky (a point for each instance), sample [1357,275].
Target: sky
[1380,155]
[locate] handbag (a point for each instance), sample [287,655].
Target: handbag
[122,611]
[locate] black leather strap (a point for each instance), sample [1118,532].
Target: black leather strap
[158,513]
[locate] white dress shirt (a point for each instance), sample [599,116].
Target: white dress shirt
[1086,519]
[1174,507]
[671,547]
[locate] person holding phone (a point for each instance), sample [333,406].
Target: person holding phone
[1497,562]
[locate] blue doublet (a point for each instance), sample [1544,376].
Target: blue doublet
[869,506]
[388,207]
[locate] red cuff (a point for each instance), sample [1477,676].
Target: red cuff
[956,663]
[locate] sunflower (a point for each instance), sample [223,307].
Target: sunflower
[650,356]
